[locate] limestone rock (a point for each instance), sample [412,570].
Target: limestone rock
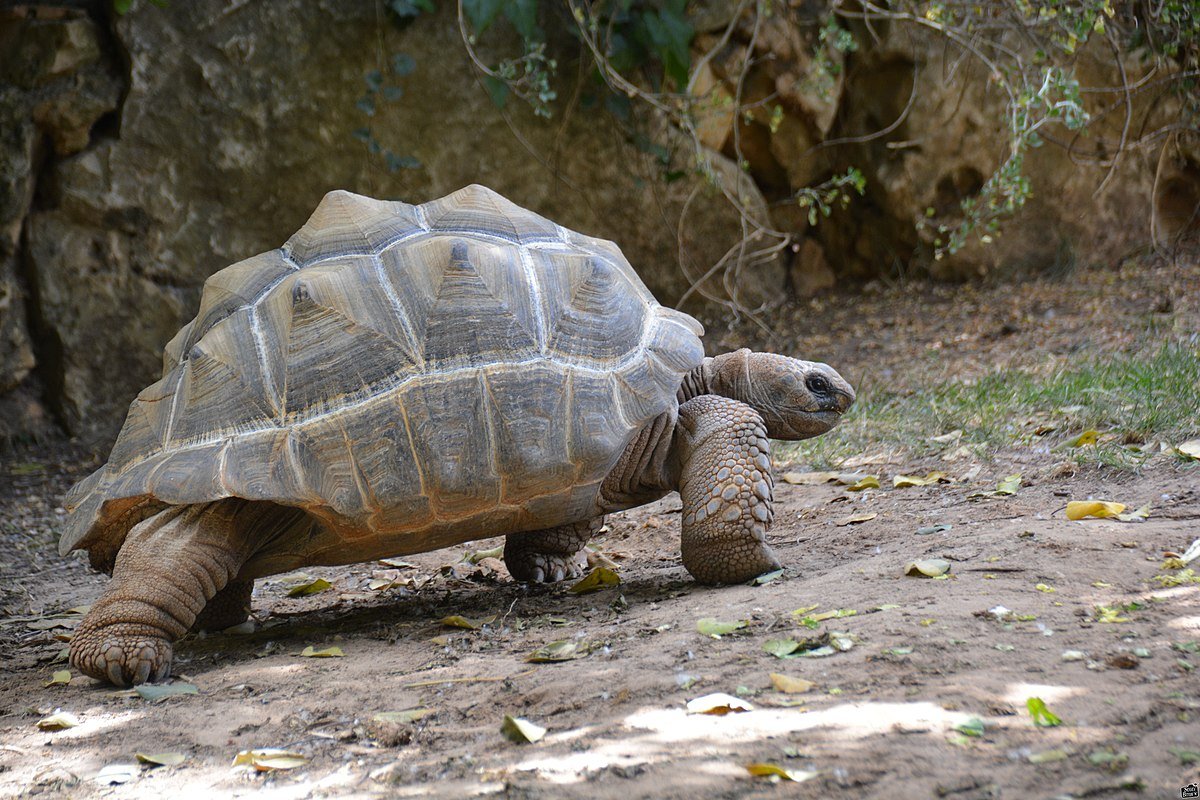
[236,123]
[810,272]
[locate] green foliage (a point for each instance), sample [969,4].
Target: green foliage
[647,33]
[379,89]
[121,7]
[821,199]
[632,35]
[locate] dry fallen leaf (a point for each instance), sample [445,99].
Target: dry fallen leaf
[1009,485]
[808,478]
[269,758]
[716,628]
[562,650]
[866,482]
[309,587]
[904,481]
[789,685]
[161,759]
[854,520]
[597,579]
[1189,449]
[408,715]
[58,721]
[521,730]
[60,678]
[927,568]
[328,652]
[718,704]
[767,770]
[1100,509]
[1136,516]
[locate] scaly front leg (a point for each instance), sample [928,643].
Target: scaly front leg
[725,483]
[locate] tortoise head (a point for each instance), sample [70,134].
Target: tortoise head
[797,399]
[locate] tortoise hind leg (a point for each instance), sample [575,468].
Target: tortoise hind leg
[549,555]
[169,566]
[228,607]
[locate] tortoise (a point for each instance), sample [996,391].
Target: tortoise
[400,378]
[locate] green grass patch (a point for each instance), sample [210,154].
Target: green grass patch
[1131,399]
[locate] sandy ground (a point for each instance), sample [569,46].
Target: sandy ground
[931,661]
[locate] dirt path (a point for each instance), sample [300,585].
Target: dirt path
[893,716]
[879,721]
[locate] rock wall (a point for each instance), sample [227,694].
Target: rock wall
[235,120]
[142,153]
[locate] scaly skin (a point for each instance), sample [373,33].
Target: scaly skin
[549,555]
[725,483]
[168,568]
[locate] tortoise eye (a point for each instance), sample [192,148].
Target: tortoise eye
[818,385]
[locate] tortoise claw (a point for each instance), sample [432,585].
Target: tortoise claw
[121,654]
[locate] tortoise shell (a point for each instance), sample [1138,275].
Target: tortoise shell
[409,376]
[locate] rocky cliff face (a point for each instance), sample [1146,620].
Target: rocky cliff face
[138,155]
[235,121]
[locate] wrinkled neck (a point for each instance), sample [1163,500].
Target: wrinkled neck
[695,383]
[726,375]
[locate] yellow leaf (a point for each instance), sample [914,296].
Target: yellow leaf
[521,730]
[328,652]
[903,481]
[718,704]
[715,628]
[1078,509]
[597,579]
[789,685]
[269,758]
[161,759]
[766,770]
[1088,437]
[866,482]
[59,721]
[1189,449]
[60,678]
[927,567]
[480,555]
[1009,485]
[309,587]
[1136,516]
[1041,587]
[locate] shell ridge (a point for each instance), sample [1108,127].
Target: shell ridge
[170,426]
[389,290]
[536,299]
